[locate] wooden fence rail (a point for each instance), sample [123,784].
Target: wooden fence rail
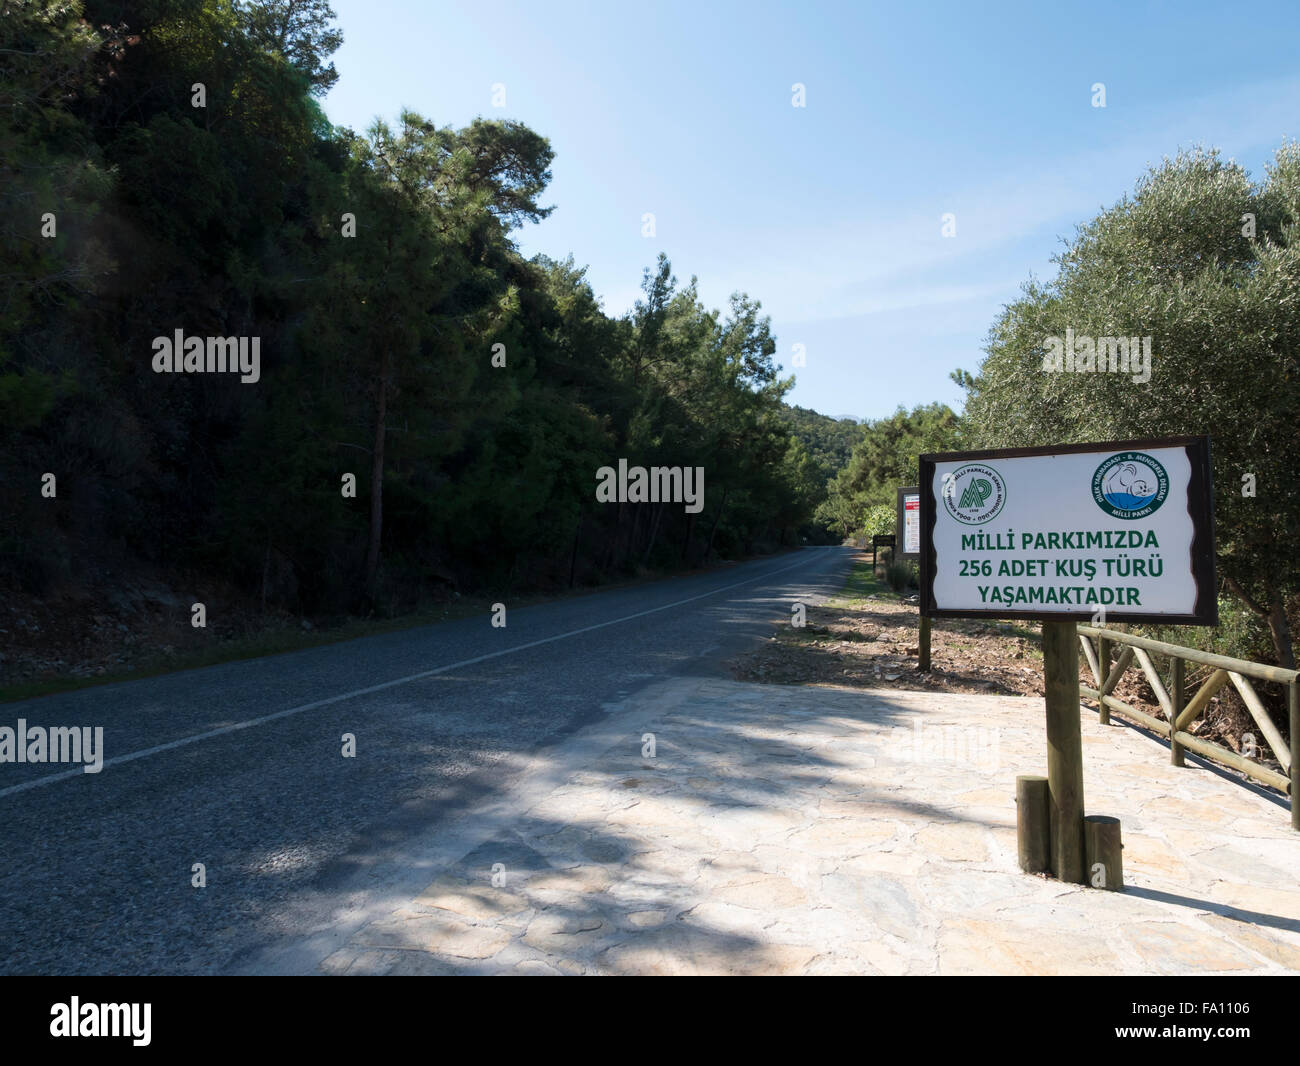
[1181,712]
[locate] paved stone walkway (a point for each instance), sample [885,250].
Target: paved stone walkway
[821,830]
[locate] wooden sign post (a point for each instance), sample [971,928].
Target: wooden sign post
[908,535]
[1111,532]
[1064,750]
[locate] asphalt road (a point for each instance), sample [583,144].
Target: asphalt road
[240,767]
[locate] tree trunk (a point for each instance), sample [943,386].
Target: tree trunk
[721,507]
[1281,633]
[629,549]
[266,573]
[1278,627]
[612,554]
[654,532]
[377,481]
[573,559]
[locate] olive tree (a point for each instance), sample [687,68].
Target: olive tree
[1206,263]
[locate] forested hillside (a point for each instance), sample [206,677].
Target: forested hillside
[861,497]
[829,441]
[420,408]
[247,354]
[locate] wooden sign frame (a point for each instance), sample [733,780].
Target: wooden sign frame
[1200,507]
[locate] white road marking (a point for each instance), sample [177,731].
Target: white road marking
[210,734]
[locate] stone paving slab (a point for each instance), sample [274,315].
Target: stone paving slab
[825,830]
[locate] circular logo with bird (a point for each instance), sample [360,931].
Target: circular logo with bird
[1130,485]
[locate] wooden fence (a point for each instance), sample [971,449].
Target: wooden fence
[1182,712]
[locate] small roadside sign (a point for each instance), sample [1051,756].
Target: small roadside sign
[909,523]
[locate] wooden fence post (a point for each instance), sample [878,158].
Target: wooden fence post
[1103,668]
[1178,698]
[1103,848]
[1293,705]
[1033,824]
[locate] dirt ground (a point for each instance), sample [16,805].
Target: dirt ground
[132,624]
[872,641]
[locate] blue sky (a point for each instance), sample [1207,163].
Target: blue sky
[831,214]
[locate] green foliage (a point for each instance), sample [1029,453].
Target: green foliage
[300,31]
[879,520]
[885,459]
[900,576]
[829,441]
[820,448]
[52,184]
[1240,633]
[377,345]
[1172,262]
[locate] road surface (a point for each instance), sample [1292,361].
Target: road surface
[239,767]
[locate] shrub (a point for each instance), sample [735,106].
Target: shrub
[900,576]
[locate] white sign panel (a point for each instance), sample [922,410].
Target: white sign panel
[1112,531]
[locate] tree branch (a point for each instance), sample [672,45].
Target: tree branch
[1240,593]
